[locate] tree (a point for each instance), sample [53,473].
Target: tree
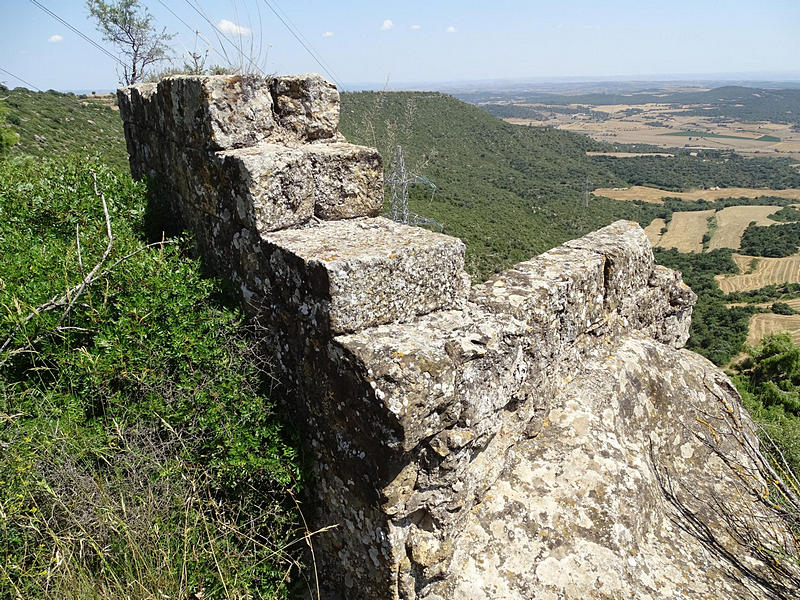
[130,27]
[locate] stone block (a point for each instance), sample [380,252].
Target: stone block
[216,112]
[270,186]
[628,258]
[365,272]
[348,180]
[307,105]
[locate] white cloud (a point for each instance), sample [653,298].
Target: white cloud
[327,34]
[387,25]
[416,27]
[450,29]
[54,39]
[231,27]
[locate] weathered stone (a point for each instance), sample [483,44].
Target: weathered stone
[546,438]
[629,491]
[348,180]
[216,112]
[272,185]
[365,272]
[307,105]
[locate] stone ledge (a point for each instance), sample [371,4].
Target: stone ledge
[277,186]
[365,272]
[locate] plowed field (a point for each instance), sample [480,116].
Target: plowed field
[767,271]
[764,323]
[686,231]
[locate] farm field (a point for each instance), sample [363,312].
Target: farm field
[793,303]
[733,220]
[762,324]
[653,231]
[767,271]
[656,196]
[667,126]
[686,231]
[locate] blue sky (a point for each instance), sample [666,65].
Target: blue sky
[433,41]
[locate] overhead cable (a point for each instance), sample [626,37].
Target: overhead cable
[200,12]
[193,30]
[304,45]
[21,79]
[85,37]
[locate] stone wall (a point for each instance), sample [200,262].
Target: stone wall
[540,435]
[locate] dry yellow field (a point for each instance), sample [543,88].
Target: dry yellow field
[733,220]
[653,231]
[744,262]
[765,323]
[767,271]
[656,196]
[686,231]
[652,121]
[629,154]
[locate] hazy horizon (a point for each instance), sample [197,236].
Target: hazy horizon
[413,44]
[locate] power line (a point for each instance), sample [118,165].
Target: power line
[303,44]
[299,36]
[194,30]
[85,37]
[20,78]
[226,38]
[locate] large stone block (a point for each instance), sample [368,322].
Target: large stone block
[307,105]
[364,272]
[270,186]
[216,112]
[273,186]
[348,180]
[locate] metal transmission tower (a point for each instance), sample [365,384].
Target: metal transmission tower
[398,181]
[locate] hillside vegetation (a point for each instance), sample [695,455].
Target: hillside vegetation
[139,454]
[55,124]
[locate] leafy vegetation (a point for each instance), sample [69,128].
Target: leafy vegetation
[769,381]
[7,136]
[786,214]
[717,332]
[55,124]
[771,241]
[140,455]
[684,172]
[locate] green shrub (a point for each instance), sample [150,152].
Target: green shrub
[140,453]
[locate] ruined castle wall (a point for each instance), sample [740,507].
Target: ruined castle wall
[469,441]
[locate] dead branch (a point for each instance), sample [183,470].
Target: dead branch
[68,300]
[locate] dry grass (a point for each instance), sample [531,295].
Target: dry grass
[653,231]
[766,272]
[686,231]
[656,195]
[629,154]
[624,128]
[733,220]
[765,323]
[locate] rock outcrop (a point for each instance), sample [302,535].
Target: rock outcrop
[540,435]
